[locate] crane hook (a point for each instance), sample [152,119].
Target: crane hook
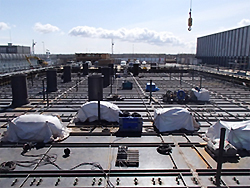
[190,20]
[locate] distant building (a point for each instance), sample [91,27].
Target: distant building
[102,58]
[229,48]
[149,58]
[14,49]
[12,58]
[188,59]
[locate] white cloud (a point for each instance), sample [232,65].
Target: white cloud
[46,28]
[3,26]
[143,35]
[244,22]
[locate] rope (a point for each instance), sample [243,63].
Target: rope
[190,5]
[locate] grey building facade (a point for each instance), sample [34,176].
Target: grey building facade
[150,58]
[229,48]
[13,49]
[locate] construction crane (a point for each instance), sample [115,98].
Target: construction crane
[40,62]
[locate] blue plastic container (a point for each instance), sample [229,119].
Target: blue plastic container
[130,124]
[153,87]
[127,85]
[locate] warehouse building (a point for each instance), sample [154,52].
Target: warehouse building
[12,57]
[229,48]
[14,49]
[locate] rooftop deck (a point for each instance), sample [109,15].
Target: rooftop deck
[94,147]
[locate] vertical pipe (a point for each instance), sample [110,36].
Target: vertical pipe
[76,85]
[99,108]
[170,76]
[47,95]
[32,79]
[135,69]
[43,90]
[85,69]
[111,84]
[180,78]
[51,75]
[66,74]
[150,94]
[220,156]
[200,82]
[111,66]
[106,73]
[19,90]
[95,86]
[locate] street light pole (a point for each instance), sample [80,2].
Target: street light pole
[43,48]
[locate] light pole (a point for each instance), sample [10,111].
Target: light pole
[43,47]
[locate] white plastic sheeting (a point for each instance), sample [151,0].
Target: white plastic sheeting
[171,119]
[237,133]
[35,128]
[202,95]
[89,111]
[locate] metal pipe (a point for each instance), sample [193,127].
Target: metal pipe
[43,90]
[180,78]
[111,76]
[32,82]
[76,86]
[47,96]
[99,108]
[150,94]
[220,156]
[200,82]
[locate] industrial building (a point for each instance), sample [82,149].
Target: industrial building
[102,58]
[151,58]
[229,48]
[14,49]
[12,57]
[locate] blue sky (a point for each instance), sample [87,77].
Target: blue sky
[136,26]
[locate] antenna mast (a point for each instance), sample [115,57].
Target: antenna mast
[112,47]
[33,46]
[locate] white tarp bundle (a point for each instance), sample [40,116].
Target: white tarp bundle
[202,94]
[171,119]
[89,111]
[35,128]
[237,133]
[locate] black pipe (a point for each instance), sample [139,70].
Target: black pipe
[19,90]
[32,82]
[95,86]
[135,69]
[220,156]
[200,82]
[47,95]
[85,69]
[43,90]
[76,86]
[51,75]
[66,74]
[111,66]
[180,78]
[111,76]
[99,108]
[150,94]
[106,73]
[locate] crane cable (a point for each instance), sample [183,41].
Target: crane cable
[190,20]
